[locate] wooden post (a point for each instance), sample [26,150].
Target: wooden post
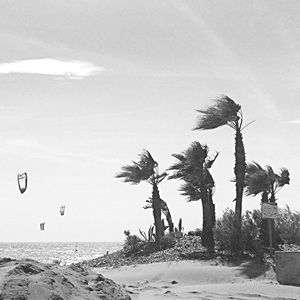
[270,237]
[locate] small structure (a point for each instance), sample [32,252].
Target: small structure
[269,211]
[287,267]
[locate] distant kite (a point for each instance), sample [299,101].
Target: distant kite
[22,182]
[42,226]
[62,210]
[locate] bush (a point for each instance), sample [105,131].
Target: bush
[167,241]
[132,244]
[196,232]
[288,226]
[225,234]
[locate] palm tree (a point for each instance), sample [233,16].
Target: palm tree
[265,182]
[146,169]
[226,112]
[193,169]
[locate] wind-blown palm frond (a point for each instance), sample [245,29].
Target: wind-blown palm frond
[132,174]
[259,180]
[223,112]
[192,168]
[284,177]
[190,191]
[139,171]
[209,161]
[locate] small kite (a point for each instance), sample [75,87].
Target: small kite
[62,210]
[22,182]
[42,226]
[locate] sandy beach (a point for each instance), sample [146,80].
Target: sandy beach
[186,279]
[200,280]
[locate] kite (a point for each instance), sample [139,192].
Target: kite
[62,210]
[22,182]
[42,226]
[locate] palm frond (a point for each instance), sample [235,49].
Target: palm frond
[131,173]
[139,171]
[256,179]
[190,191]
[284,177]
[223,112]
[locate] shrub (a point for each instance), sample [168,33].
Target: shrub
[167,241]
[132,244]
[196,232]
[288,226]
[225,233]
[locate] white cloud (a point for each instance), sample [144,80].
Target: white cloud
[72,69]
[297,121]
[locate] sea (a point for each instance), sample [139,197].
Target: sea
[64,253]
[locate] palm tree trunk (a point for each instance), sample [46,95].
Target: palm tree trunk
[157,214]
[207,228]
[167,213]
[239,171]
[170,222]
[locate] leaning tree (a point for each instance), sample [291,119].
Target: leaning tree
[193,168]
[226,112]
[146,169]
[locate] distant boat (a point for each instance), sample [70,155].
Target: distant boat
[62,210]
[42,226]
[22,182]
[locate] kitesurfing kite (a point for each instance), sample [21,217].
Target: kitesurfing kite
[22,182]
[42,226]
[62,210]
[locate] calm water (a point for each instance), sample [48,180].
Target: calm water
[64,252]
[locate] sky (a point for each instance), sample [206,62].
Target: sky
[85,86]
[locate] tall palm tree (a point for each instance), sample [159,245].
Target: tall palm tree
[226,112]
[193,169]
[146,169]
[264,181]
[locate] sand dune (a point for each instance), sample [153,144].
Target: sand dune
[200,280]
[32,280]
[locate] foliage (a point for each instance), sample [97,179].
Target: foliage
[288,226]
[196,232]
[168,241]
[224,111]
[226,239]
[132,243]
[264,181]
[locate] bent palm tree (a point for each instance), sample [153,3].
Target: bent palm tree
[227,112]
[146,169]
[193,169]
[265,182]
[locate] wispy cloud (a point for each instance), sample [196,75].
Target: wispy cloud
[297,121]
[72,69]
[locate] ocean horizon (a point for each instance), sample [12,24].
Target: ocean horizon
[63,252]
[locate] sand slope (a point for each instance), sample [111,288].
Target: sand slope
[200,280]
